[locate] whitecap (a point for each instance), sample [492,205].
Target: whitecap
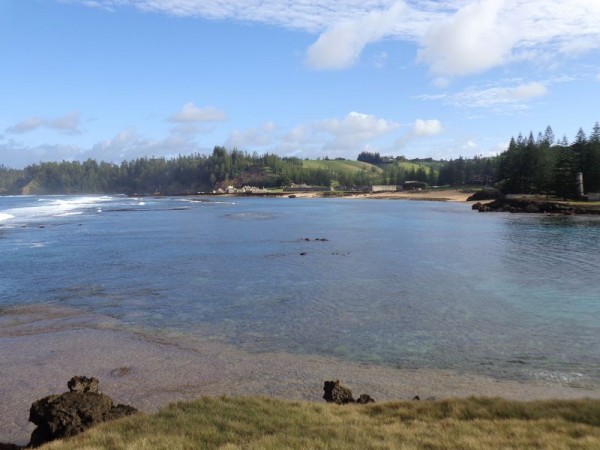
[4,217]
[66,214]
[57,206]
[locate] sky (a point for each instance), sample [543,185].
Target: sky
[116,80]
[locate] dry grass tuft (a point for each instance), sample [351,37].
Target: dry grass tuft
[260,423]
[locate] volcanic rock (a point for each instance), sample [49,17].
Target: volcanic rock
[336,393]
[70,413]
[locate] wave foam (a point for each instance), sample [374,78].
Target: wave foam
[4,216]
[48,207]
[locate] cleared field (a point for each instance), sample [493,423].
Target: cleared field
[336,165]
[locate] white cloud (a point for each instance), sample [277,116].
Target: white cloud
[356,128]
[427,127]
[17,155]
[334,137]
[190,113]
[482,34]
[341,45]
[128,144]
[476,38]
[253,137]
[67,124]
[499,98]
[598,77]
[457,37]
[27,125]
[420,128]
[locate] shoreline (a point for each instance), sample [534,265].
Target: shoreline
[43,346]
[442,195]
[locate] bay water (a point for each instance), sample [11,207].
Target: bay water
[405,284]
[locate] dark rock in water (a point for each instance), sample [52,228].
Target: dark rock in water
[527,205]
[83,384]
[303,253]
[336,393]
[64,415]
[364,399]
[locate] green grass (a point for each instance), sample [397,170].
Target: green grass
[260,423]
[408,166]
[341,166]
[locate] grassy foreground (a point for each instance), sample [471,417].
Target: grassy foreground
[230,423]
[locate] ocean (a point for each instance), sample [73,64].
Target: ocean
[401,284]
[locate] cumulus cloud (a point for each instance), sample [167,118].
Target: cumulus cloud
[67,124]
[355,128]
[482,34]
[456,37]
[17,155]
[476,38]
[341,45]
[129,144]
[420,128]
[427,127]
[190,113]
[345,136]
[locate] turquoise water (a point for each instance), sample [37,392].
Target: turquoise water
[399,283]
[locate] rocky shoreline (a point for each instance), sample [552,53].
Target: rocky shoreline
[60,416]
[526,205]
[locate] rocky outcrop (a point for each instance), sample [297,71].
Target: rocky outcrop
[364,399]
[70,413]
[525,205]
[10,446]
[485,194]
[341,395]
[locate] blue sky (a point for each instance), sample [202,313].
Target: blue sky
[119,79]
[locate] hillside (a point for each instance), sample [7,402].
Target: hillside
[341,165]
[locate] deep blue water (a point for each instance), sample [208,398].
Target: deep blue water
[400,283]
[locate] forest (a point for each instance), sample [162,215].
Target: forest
[530,165]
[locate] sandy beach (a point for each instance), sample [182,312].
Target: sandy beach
[42,347]
[443,195]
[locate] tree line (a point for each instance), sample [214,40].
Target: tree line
[530,165]
[180,175]
[543,164]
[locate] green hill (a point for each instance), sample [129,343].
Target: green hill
[341,166]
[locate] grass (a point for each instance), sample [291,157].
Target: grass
[260,423]
[341,166]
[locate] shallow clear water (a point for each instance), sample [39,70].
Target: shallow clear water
[400,283]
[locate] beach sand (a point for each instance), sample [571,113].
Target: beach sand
[443,195]
[42,347]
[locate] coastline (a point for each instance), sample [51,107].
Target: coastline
[442,195]
[41,347]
